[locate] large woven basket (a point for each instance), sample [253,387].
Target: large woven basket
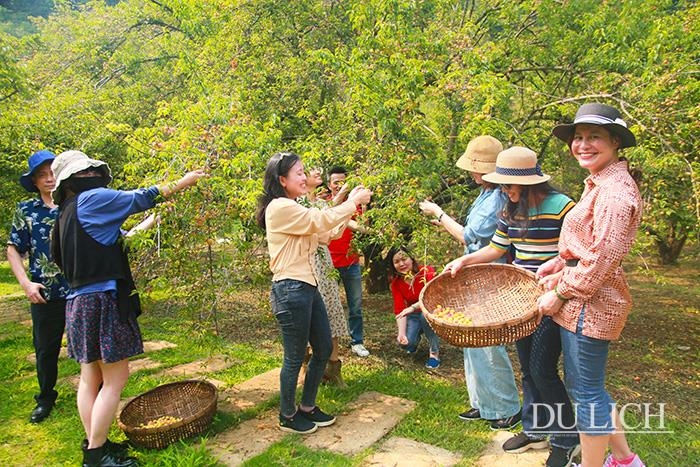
[189,405]
[499,300]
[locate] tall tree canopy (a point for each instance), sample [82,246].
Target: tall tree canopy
[392,89]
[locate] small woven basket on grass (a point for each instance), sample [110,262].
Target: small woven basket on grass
[169,413]
[498,300]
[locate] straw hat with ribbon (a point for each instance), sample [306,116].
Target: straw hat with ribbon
[480,156]
[69,163]
[517,166]
[597,114]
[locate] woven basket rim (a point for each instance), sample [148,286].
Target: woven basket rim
[530,315]
[135,430]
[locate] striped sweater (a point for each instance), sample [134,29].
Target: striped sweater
[540,242]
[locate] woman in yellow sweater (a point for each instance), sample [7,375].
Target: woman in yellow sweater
[293,232]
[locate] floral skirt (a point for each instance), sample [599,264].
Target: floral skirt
[95,332]
[328,287]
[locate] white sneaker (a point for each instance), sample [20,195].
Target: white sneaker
[360,350]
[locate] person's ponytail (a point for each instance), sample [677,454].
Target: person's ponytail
[635,172]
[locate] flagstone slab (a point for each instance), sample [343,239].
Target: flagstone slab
[143,364]
[199,367]
[249,439]
[250,393]
[154,346]
[399,452]
[494,456]
[364,422]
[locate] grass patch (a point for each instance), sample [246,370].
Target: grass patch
[8,282]
[654,361]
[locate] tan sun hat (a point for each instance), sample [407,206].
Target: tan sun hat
[71,162]
[480,156]
[517,166]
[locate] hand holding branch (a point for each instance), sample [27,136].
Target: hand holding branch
[188,180]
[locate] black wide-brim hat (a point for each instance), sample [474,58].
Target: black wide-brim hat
[597,114]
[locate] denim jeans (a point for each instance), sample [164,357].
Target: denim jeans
[352,283]
[539,357]
[490,382]
[416,324]
[301,314]
[585,361]
[48,322]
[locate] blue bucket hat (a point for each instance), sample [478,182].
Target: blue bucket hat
[35,160]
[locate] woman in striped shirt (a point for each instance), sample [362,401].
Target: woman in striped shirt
[529,228]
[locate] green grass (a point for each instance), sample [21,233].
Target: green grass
[8,282]
[649,364]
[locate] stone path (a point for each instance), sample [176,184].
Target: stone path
[363,424]
[397,451]
[493,455]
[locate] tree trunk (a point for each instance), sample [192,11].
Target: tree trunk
[669,246]
[376,278]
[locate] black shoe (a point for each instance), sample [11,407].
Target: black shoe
[562,457]
[40,413]
[317,417]
[470,415]
[522,442]
[119,449]
[102,457]
[297,424]
[506,423]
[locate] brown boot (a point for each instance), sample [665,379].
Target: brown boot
[332,374]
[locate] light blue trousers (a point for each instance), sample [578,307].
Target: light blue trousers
[490,382]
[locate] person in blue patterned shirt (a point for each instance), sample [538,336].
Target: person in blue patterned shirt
[45,286]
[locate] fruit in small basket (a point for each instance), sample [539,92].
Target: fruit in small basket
[160,422]
[449,315]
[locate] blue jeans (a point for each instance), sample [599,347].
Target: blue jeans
[48,322]
[352,283]
[416,325]
[585,361]
[490,382]
[542,386]
[302,319]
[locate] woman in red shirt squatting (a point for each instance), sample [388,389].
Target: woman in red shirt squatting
[408,279]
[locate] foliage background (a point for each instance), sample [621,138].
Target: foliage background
[393,89]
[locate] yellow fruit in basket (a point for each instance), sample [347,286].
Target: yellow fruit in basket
[449,315]
[160,422]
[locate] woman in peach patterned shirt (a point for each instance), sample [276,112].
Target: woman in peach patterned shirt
[588,295]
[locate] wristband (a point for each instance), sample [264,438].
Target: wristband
[560,296]
[439,218]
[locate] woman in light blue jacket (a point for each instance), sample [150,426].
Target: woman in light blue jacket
[488,372]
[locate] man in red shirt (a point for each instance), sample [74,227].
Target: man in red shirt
[347,263]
